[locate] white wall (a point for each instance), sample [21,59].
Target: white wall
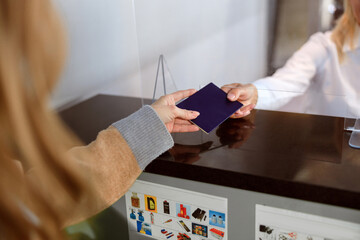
[102,49]
[203,40]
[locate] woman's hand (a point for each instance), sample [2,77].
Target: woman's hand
[174,118]
[245,93]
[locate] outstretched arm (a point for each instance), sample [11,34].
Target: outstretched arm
[119,154]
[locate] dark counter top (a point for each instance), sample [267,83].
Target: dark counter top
[287,154]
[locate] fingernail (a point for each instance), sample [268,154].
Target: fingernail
[195,113]
[231,96]
[247,113]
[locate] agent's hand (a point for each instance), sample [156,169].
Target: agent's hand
[245,93]
[174,118]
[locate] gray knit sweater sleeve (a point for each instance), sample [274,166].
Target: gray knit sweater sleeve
[146,135]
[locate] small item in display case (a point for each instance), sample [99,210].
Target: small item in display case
[132,214]
[167,234]
[150,203]
[202,215]
[217,219]
[167,221]
[144,228]
[141,217]
[135,201]
[166,207]
[288,236]
[183,236]
[214,219]
[199,214]
[183,212]
[196,213]
[265,229]
[183,225]
[152,218]
[266,232]
[220,220]
[200,230]
[217,233]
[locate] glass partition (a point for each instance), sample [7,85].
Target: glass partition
[187,44]
[202,41]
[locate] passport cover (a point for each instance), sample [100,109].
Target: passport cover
[213,105]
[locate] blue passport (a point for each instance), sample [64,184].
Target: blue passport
[213,105]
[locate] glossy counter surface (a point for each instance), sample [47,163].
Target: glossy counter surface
[293,155]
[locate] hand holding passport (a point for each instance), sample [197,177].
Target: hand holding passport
[213,105]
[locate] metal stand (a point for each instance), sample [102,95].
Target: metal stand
[167,82]
[355,135]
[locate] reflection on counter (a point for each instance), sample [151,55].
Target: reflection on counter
[232,133]
[303,148]
[301,137]
[235,132]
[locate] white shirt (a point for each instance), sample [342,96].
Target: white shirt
[312,81]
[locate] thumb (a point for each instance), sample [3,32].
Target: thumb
[237,94]
[186,114]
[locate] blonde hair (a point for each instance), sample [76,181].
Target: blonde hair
[31,56]
[345,30]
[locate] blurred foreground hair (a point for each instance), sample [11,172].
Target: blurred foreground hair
[32,51]
[345,30]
